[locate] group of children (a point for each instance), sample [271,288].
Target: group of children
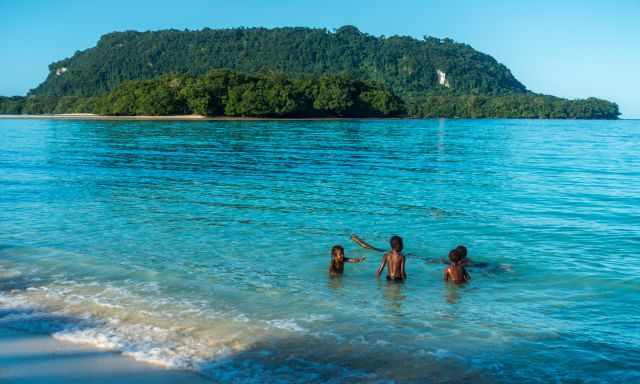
[395,261]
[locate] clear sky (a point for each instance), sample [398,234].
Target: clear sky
[567,48]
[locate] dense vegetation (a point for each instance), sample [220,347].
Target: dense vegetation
[526,106]
[289,72]
[407,65]
[226,93]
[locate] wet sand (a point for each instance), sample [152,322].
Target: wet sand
[31,358]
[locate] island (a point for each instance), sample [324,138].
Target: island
[289,73]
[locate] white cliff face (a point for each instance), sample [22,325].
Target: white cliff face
[442,78]
[60,71]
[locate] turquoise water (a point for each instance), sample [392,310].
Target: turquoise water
[205,245]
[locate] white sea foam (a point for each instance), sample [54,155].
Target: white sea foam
[76,313]
[140,321]
[286,324]
[315,318]
[110,318]
[8,274]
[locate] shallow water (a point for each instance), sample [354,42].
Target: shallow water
[205,245]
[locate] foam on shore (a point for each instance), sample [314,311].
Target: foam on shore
[33,358]
[157,331]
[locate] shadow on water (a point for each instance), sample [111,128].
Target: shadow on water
[304,359]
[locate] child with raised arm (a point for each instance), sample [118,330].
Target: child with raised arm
[456,271]
[336,267]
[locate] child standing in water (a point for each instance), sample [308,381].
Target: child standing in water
[395,259]
[456,271]
[336,267]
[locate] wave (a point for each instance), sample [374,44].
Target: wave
[229,347]
[157,330]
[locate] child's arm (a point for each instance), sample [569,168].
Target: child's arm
[381,266]
[356,260]
[402,272]
[446,274]
[364,244]
[474,264]
[466,275]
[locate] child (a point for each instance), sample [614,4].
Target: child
[456,272]
[395,259]
[462,250]
[467,262]
[337,260]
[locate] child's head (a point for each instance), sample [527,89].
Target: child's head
[455,256]
[396,243]
[337,252]
[462,250]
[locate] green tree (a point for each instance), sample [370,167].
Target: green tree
[334,96]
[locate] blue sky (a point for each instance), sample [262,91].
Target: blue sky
[566,48]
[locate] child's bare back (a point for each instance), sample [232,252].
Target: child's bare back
[456,272]
[396,261]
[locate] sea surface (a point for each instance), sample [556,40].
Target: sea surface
[205,245]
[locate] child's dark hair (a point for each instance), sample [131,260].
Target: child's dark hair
[336,248]
[396,243]
[462,250]
[455,256]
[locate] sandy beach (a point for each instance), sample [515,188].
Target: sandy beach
[91,116]
[31,358]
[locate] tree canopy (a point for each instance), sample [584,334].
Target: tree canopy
[528,106]
[408,66]
[227,93]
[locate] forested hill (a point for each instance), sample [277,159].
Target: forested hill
[408,66]
[290,72]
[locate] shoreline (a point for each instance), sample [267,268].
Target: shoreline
[94,117]
[39,358]
[91,116]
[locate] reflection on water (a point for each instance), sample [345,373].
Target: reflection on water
[335,283]
[394,294]
[204,245]
[452,294]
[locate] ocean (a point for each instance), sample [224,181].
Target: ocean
[206,245]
